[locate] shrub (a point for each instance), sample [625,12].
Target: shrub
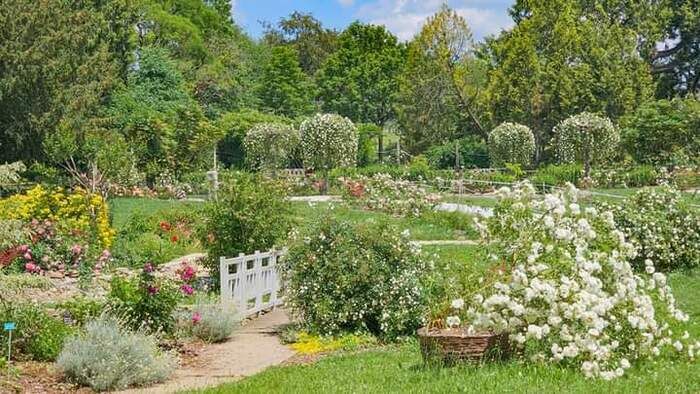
[511,143]
[39,336]
[250,214]
[367,146]
[665,230]
[563,287]
[71,212]
[146,303]
[586,138]
[473,153]
[81,309]
[664,132]
[328,141]
[341,277]
[108,357]
[382,193]
[208,320]
[557,175]
[636,176]
[270,146]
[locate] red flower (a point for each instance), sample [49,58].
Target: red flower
[196,318]
[187,289]
[165,226]
[174,238]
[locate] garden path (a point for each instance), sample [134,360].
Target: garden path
[252,349]
[449,242]
[324,198]
[464,208]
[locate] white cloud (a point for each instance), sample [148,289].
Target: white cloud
[406,17]
[346,3]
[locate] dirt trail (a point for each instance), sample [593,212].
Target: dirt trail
[252,349]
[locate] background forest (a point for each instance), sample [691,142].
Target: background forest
[144,90]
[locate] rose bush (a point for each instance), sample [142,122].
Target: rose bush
[341,277]
[270,146]
[511,143]
[381,192]
[666,230]
[564,289]
[328,141]
[586,138]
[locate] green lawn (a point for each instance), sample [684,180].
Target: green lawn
[430,226]
[122,208]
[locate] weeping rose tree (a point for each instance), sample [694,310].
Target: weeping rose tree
[565,291]
[270,146]
[328,141]
[511,143]
[586,138]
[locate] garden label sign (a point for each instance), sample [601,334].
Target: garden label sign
[9,327]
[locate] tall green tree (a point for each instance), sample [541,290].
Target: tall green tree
[58,62]
[285,90]
[306,34]
[677,62]
[360,79]
[565,57]
[441,83]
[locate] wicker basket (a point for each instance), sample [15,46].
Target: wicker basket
[452,345]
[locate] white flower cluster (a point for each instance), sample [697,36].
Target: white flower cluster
[270,146]
[665,229]
[586,137]
[381,192]
[511,143]
[328,141]
[566,291]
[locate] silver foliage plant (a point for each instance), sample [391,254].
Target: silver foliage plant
[109,357]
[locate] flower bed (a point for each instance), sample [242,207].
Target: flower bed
[564,289]
[383,193]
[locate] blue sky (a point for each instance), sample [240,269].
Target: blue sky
[403,17]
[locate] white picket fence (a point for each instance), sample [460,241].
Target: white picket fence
[251,281]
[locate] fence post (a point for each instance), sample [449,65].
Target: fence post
[226,296]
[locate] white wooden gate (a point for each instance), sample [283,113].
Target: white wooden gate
[251,281]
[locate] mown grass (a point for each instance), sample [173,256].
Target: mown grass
[430,226]
[123,208]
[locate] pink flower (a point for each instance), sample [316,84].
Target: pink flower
[148,267]
[27,256]
[187,289]
[76,249]
[196,318]
[24,248]
[187,273]
[152,290]
[31,267]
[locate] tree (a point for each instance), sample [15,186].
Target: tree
[286,89]
[235,126]
[328,141]
[58,62]
[440,83]
[677,65]
[511,143]
[562,58]
[664,132]
[307,35]
[163,124]
[360,79]
[586,138]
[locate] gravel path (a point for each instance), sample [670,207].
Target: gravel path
[326,198]
[252,349]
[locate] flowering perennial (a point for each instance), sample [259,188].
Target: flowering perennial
[564,288]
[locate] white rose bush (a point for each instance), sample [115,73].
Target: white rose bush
[328,141]
[511,143]
[564,288]
[586,138]
[270,146]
